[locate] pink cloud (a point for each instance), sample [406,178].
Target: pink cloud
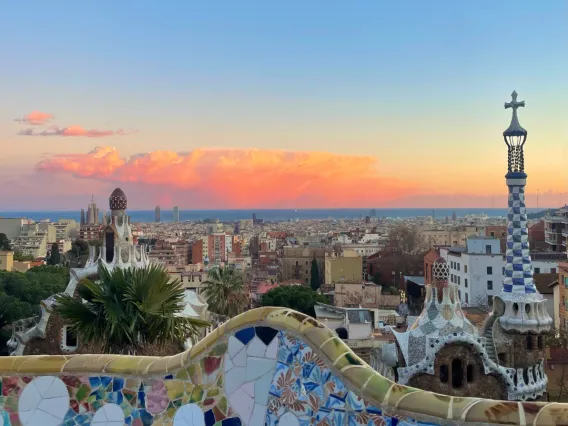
[241,178]
[35,118]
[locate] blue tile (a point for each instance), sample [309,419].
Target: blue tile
[245,335]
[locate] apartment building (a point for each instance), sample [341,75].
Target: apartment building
[561,297]
[556,230]
[295,262]
[478,268]
[347,267]
[451,236]
[32,244]
[13,226]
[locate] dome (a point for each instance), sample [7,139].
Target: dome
[117,200]
[440,270]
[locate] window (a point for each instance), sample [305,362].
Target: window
[457,373]
[537,270]
[444,373]
[553,270]
[459,280]
[467,298]
[487,249]
[69,339]
[489,300]
[459,294]
[492,234]
[458,266]
[541,342]
[566,281]
[469,373]
[529,342]
[465,282]
[490,270]
[452,278]
[465,268]
[489,285]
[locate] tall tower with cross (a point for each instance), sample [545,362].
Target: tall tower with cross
[515,329]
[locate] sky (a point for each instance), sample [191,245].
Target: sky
[295,104]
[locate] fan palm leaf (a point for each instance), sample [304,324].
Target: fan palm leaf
[130,308]
[224,291]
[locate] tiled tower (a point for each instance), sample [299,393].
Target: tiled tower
[519,317]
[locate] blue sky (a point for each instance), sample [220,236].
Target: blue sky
[361,77]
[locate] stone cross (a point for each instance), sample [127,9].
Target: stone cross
[514,104]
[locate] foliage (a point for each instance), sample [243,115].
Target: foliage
[21,293]
[4,242]
[404,238]
[54,257]
[224,291]
[556,338]
[79,253]
[129,310]
[315,276]
[297,297]
[21,257]
[377,278]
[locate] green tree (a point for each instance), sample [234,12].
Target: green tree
[54,257]
[4,242]
[315,276]
[297,297]
[224,292]
[129,311]
[21,257]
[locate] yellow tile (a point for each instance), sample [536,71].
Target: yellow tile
[123,364]
[6,363]
[316,337]
[42,364]
[490,411]
[552,414]
[459,405]
[144,363]
[267,310]
[88,363]
[175,362]
[210,339]
[160,366]
[357,375]
[396,392]
[175,388]
[308,324]
[427,403]
[196,351]
[377,388]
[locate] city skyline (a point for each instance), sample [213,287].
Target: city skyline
[281,106]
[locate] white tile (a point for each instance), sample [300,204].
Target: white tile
[256,348]
[108,415]
[189,415]
[235,345]
[262,386]
[41,418]
[228,363]
[25,416]
[57,389]
[29,398]
[258,415]
[57,407]
[272,349]
[249,388]
[288,419]
[234,379]
[42,384]
[240,359]
[242,404]
[257,367]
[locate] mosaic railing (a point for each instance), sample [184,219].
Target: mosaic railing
[269,366]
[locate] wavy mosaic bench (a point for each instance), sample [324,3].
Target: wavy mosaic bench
[268,366]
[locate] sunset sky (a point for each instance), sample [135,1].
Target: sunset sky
[289,104]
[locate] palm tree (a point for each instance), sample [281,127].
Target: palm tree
[224,292]
[129,311]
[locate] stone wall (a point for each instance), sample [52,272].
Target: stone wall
[477,384]
[269,366]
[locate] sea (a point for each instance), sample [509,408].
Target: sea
[270,215]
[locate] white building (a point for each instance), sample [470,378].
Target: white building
[478,269]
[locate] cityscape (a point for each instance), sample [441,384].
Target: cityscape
[260,240]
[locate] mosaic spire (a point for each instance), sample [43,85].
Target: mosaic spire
[524,306]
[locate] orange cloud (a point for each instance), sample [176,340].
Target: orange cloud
[242,178]
[35,118]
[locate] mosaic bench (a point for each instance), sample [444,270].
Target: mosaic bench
[268,366]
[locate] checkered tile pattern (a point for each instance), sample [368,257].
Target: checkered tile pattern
[518,266]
